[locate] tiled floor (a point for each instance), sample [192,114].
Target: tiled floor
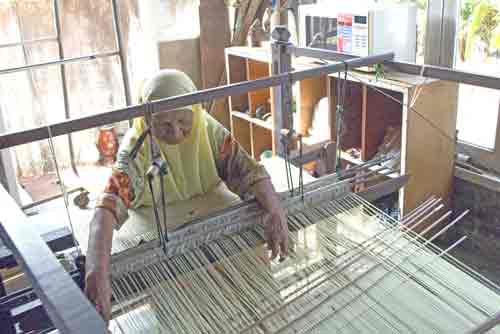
[92,178]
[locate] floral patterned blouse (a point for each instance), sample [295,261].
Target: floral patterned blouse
[234,166]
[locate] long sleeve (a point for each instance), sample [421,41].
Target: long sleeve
[235,167]
[124,186]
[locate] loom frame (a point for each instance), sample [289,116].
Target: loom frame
[66,305]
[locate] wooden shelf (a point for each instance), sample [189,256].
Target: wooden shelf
[426,154]
[256,121]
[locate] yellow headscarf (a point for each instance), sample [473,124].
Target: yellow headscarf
[192,169]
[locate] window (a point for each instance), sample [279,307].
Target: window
[478,50]
[34,96]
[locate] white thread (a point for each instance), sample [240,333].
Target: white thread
[63,189]
[240,292]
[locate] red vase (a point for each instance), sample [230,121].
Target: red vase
[107,144]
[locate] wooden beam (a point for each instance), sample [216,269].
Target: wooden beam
[215,37]
[385,188]
[67,307]
[58,240]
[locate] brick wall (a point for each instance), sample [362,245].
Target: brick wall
[482,224]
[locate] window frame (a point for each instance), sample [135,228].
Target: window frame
[61,61]
[442,17]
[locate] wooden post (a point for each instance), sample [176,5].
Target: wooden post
[330,157]
[281,95]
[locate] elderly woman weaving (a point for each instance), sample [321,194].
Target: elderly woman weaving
[200,154]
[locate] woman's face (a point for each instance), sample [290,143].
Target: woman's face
[173,126]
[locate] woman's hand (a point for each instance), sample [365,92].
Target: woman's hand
[97,278]
[276,231]
[98,291]
[276,228]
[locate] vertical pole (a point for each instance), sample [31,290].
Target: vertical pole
[281,95]
[62,70]
[7,168]
[119,44]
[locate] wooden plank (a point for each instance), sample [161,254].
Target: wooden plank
[352,117]
[366,125]
[257,70]
[310,92]
[330,157]
[429,154]
[379,112]
[236,73]
[258,53]
[215,36]
[261,140]
[259,122]
[384,188]
[67,307]
[241,132]
[331,90]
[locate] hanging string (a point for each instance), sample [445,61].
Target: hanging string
[339,115]
[154,153]
[288,165]
[301,169]
[63,189]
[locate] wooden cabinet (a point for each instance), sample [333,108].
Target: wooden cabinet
[248,126]
[422,112]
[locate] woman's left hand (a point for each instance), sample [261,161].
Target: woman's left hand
[276,232]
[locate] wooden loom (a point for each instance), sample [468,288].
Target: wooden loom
[346,280]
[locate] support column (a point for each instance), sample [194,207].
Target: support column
[281,95]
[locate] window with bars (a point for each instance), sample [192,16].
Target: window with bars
[62,59]
[68,59]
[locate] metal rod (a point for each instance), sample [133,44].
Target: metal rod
[320,54]
[83,123]
[64,85]
[31,41]
[487,325]
[119,45]
[429,71]
[58,62]
[340,67]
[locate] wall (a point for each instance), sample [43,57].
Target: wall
[183,55]
[482,224]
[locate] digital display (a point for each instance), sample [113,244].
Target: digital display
[360,19]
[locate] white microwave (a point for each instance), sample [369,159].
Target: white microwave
[360,30]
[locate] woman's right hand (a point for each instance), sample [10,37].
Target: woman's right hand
[98,291]
[97,263]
